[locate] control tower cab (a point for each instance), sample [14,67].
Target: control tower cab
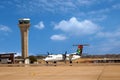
[24,21]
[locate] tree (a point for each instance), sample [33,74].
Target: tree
[32,59]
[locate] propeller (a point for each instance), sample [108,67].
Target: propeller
[48,53]
[65,55]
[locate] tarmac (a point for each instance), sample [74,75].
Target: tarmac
[61,72]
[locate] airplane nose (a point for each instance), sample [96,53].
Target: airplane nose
[44,59]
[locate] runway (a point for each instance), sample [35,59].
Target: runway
[74,72]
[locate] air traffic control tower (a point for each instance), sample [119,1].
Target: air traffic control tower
[24,25]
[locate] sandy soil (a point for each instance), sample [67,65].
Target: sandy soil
[81,72]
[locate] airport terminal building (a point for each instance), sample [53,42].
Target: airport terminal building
[7,58]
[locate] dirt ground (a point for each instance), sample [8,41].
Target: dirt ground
[79,72]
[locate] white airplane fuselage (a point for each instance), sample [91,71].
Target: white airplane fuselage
[60,57]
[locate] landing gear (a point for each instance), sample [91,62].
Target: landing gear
[70,63]
[46,63]
[54,63]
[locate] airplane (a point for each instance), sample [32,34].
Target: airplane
[63,57]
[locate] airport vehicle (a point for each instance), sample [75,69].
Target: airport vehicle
[63,57]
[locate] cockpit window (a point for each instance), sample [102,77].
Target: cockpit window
[49,56]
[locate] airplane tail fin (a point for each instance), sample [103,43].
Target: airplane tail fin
[79,50]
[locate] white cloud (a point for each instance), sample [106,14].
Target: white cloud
[113,34]
[99,11]
[85,2]
[107,46]
[40,25]
[58,7]
[58,37]
[108,42]
[1,6]
[75,27]
[54,6]
[5,28]
[116,6]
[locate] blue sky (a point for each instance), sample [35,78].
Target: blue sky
[58,24]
